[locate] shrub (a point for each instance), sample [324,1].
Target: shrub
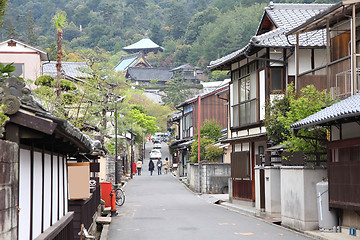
[65,85]
[44,80]
[68,98]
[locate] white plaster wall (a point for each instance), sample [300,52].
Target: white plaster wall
[24,194]
[262,97]
[47,191]
[227,154]
[37,194]
[32,63]
[55,203]
[298,197]
[257,188]
[272,190]
[350,130]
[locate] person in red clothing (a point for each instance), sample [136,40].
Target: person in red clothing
[134,168]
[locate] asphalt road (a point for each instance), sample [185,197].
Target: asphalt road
[160,207]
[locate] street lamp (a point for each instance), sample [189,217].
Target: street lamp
[121,99]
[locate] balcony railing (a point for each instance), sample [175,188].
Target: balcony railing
[339,76]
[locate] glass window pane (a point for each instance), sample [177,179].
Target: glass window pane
[276,79]
[236,116]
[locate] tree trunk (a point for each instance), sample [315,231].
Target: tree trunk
[58,62]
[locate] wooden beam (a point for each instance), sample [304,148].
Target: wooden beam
[33,122]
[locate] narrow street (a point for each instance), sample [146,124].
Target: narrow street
[160,207]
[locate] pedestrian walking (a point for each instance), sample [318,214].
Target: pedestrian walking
[139,166]
[134,171]
[151,167]
[159,165]
[166,167]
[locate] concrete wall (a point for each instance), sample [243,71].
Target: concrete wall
[272,190]
[9,182]
[208,177]
[298,196]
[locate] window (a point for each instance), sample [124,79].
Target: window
[244,98]
[19,72]
[276,79]
[187,125]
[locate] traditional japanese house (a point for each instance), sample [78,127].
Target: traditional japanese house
[339,72]
[261,71]
[343,158]
[339,75]
[207,106]
[41,178]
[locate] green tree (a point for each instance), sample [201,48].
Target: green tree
[59,22]
[209,15]
[10,30]
[3,5]
[210,132]
[30,29]
[176,20]
[176,91]
[283,112]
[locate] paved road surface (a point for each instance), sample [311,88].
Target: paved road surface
[161,208]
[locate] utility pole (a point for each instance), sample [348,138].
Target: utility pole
[121,99]
[199,124]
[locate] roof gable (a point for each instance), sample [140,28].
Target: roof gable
[131,60]
[13,45]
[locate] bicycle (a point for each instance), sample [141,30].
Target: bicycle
[119,195]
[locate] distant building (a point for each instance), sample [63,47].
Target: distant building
[145,46]
[27,59]
[191,74]
[74,71]
[143,76]
[132,60]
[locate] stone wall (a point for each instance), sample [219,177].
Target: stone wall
[208,177]
[9,182]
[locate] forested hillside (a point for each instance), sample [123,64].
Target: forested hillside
[195,31]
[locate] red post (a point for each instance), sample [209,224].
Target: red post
[113,204]
[199,125]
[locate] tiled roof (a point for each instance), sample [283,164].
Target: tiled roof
[347,108]
[71,69]
[127,61]
[145,43]
[148,74]
[285,17]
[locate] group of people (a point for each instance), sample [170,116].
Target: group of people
[159,164]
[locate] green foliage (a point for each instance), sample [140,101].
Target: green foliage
[210,133]
[45,80]
[204,142]
[6,70]
[144,121]
[68,98]
[212,153]
[219,75]
[59,20]
[3,5]
[3,119]
[211,129]
[65,85]
[176,91]
[291,108]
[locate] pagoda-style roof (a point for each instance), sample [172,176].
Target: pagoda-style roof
[131,60]
[145,45]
